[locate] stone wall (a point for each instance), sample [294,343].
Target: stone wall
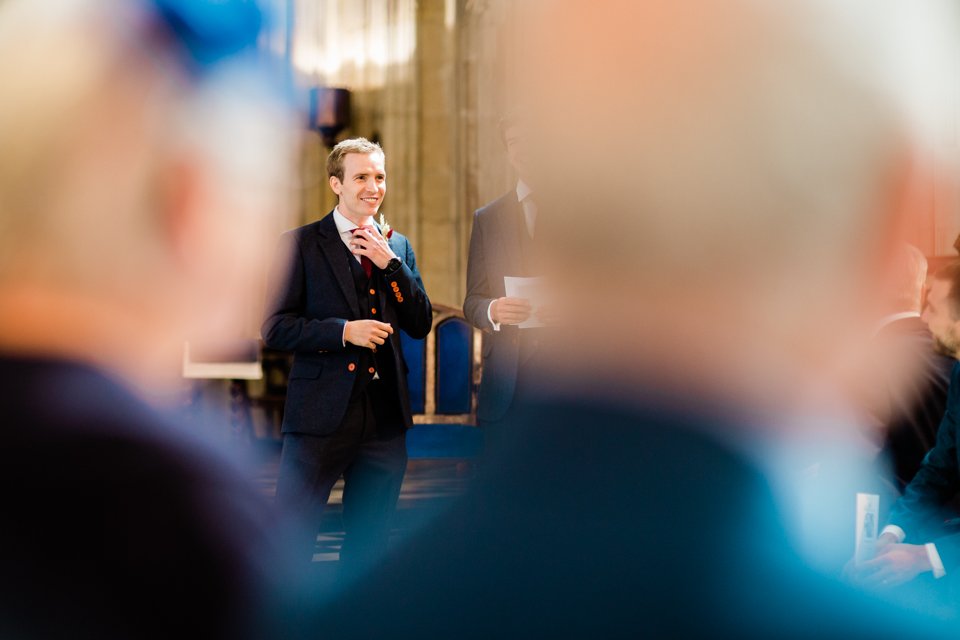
[425,79]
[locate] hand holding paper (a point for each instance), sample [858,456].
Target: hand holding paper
[510,310]
[531,291]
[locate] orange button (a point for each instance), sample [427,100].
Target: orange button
[396,288]
[372,370]
[373,292]
[399,298]
[393,284]
[351,367]
[373,311]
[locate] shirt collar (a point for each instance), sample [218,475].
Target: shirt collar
[894,317]
[344,225]
[523,191]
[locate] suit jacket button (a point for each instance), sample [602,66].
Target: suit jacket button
[393,284]
[351,367]
[373,292]
[373,311]
[372,370]
[399,298]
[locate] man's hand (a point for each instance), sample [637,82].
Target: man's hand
[894,565]
[510,310]
[367,241]
[885,540]
[366,333]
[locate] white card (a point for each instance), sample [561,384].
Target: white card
[868,513]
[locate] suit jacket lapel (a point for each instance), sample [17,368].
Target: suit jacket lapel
[332,247]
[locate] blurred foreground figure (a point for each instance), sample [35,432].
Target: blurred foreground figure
[724,182]
[140,166]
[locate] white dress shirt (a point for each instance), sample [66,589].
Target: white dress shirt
[530,218]
[888,320]
[345,227]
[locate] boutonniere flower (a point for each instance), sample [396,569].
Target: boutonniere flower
[385,229]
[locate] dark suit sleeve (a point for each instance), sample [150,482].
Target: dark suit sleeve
[477,302]
[286,327]
[410,298]
[938,478]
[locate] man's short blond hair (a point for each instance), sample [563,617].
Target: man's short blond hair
[346,147]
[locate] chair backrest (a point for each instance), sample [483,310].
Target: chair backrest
[445,370]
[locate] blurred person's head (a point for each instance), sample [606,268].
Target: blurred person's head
[909,279]
[942,310]
[357,174]
[143,168]
[513,132]
[727,182]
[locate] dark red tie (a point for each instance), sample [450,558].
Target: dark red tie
[365,262]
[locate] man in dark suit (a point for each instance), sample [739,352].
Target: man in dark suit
[120,522]
[340,292]
[502,245]
[917,542]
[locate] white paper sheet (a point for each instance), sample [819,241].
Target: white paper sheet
[530,289]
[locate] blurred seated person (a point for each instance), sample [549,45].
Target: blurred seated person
[635,498]
[900,408]
[141,159]
[919,541]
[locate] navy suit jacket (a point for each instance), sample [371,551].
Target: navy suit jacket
[495,252]
[925,503]
[312,296]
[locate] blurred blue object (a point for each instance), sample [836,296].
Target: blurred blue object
[212,30]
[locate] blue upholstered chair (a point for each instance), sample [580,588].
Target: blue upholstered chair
[443,379]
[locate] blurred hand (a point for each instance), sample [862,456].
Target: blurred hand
[368,242]
[510,310]
[851,570]
[895,564]
[366,333]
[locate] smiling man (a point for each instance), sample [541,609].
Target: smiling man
[341,291]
